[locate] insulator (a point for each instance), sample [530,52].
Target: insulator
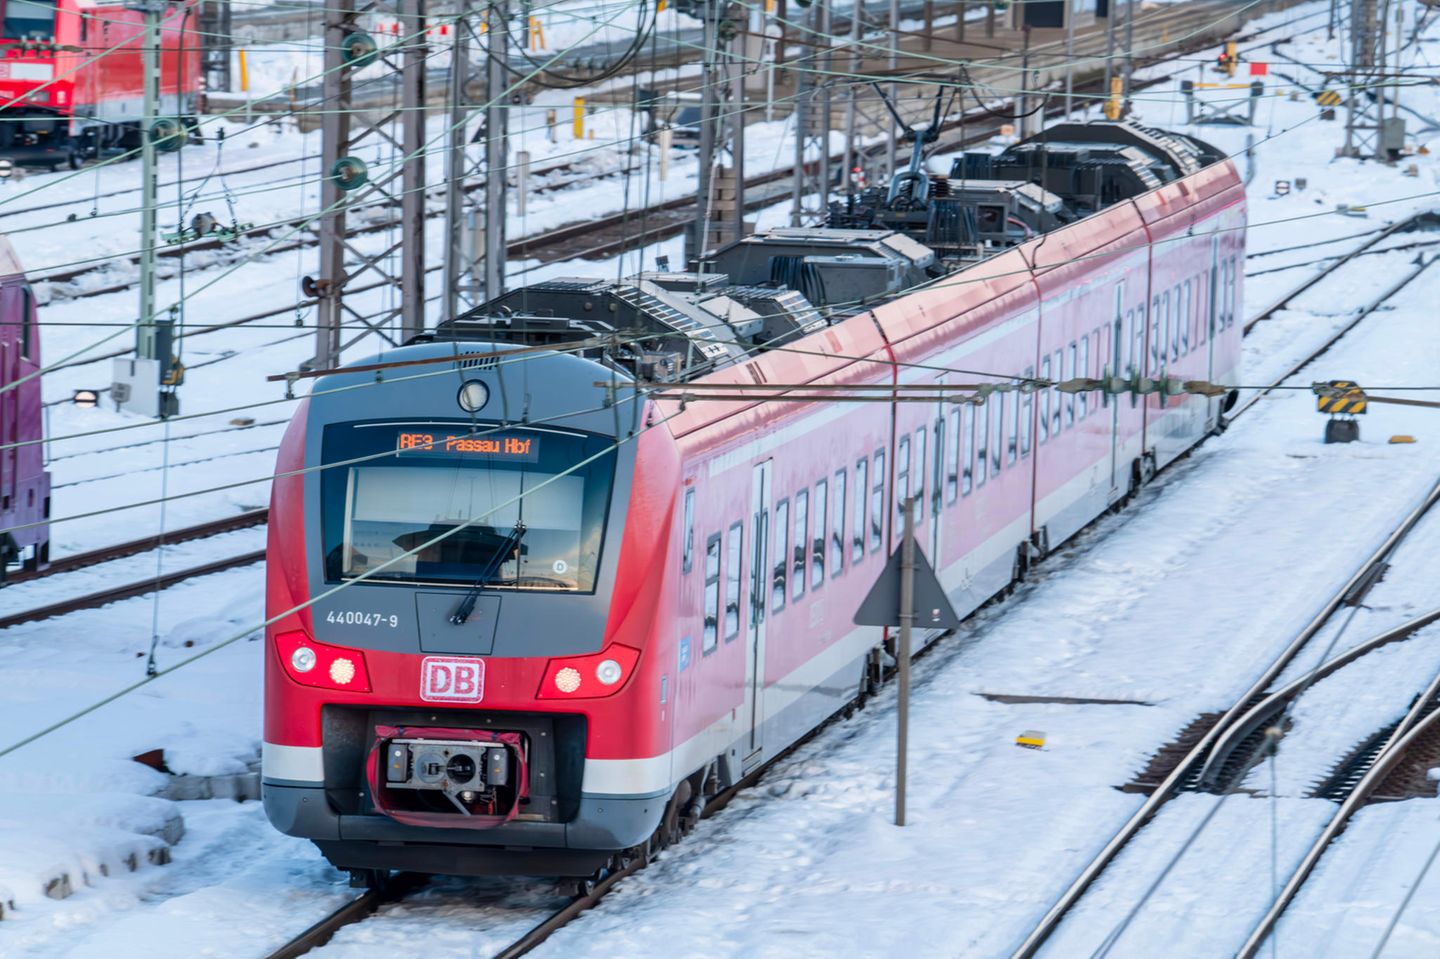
[349,173]
[359,50]
[168,134]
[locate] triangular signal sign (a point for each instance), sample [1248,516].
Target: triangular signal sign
[932,607]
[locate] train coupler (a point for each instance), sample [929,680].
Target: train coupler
[468,778]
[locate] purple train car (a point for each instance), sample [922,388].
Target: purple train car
[24,484]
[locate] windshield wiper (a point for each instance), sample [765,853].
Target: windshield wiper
[467,605]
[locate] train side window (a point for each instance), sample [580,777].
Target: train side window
[1135,319]
[919,474]
[982,439]
[1012,430]
[688,550]
[712,594]
[27,320]
[1045,400]
[997,433]
[1188,319]
[862,488]
[1202,311]
[1082,369]
[837,526]
[1175,326]
[733,543]
[1230,295]
[1027,413]
[967,467]
[781,555]
[817,538]
[1155,337]
[1164,328]
[902,480]
[1069,374]
[877,503]
[802,530]
[1057,396]
[952,455]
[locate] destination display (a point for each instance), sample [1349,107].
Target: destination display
[519,449]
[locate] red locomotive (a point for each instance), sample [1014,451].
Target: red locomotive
[524,622]
[71,79]
[24,483]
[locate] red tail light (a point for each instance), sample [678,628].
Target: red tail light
[315,664]
[589,677]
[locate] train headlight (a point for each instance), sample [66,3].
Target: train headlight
[342,671]
[609,672]
[319,664]
[589,677]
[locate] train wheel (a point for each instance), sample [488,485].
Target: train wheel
[73,160]
[674,824]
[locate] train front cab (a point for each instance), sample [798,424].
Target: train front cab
[532,738]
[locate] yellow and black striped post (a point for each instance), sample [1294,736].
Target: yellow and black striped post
[1343,400]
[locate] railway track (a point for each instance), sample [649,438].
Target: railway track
[1415,733]
[144,544]
[107,554]
[397,887]
[1213,751]
[672,215]
[1410,223]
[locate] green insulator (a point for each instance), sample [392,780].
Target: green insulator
[349,173]
[359,50]
[167,134]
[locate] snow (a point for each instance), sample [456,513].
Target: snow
[1176,604]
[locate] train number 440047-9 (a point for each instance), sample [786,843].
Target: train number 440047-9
[355,617]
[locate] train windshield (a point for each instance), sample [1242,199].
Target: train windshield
[442,503]
[28,19]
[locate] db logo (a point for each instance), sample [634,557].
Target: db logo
[447,679]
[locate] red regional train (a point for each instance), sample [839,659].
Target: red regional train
[524,621]
[71,81]
[24,483]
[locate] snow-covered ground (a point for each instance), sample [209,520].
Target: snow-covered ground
[1171,607]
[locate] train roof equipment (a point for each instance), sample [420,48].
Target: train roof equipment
[876,246]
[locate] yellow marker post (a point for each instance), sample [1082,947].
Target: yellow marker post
[1112,103]
[1031,739]
[244,73]
[578,121]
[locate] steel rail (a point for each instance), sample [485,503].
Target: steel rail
[1053,916]
[1415,724]
[144,544]
[106,596]
[1337,261]
[353,911]
[1299,365]
[1262,712]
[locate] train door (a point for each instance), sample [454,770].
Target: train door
[1117,343]
[9,427]
[1211,314]
[936,485]
[760,493]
